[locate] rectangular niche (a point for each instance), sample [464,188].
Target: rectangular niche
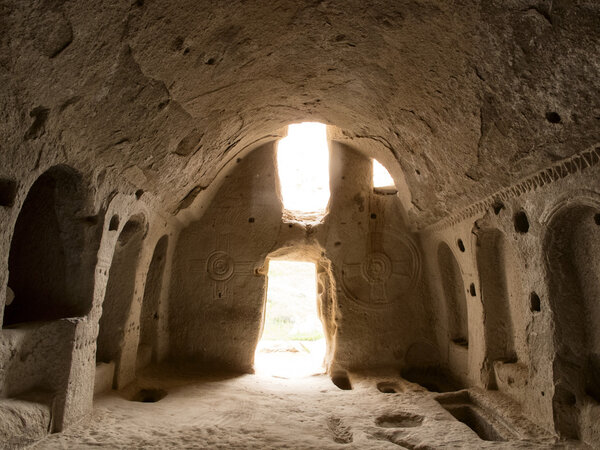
[487,424]
[8,192]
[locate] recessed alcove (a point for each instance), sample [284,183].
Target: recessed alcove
[498,272]
[45,264]
[120,292]
[150,312]
[454,295]
[8,191]
[571,242]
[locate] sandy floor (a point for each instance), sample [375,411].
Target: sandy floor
[266,411]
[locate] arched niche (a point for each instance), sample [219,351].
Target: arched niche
[47,263]
[454,292]
[494,262]
[120,291]
[149,317]
[573,272]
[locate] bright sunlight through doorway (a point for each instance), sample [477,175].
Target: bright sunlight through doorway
[292,343]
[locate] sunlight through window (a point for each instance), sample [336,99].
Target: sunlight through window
[303,165]
[381,176]
[292,343]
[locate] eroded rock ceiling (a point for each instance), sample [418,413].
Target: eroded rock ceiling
[468,95]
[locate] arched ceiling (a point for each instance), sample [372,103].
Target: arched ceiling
[163,94]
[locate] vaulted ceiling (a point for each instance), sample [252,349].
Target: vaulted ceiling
[468,96]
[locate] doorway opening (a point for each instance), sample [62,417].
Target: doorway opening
[303,167]
[292,343]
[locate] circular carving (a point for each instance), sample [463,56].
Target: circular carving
[219,266]
[377,268]
[388,269]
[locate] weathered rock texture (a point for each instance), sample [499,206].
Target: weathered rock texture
[139,199]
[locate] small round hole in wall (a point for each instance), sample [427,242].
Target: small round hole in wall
[535,303]
[472,290]
[498,206]
[553,117]
[521,222]
[114,223]
[373,216]
[461,245]
[597,218]
[251,220]
[139,193]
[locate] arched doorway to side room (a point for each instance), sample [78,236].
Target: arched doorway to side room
[573,267]
[47,270]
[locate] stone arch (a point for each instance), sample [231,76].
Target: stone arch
[573,272]
[497,278]
[149,316]
[120,291]
[47,262]
[454,292]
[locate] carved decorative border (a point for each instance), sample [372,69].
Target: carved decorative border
[573,164]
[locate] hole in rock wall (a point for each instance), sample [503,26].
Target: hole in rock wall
[461,245]
[454,292]
[149,316]
[303,167]
[114,223]
[521,222]
[553,117]
[472,290]
[8,191]
[535,302]
[498,206]
[45,261]
[292,342]
[573,263]
[120,291]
